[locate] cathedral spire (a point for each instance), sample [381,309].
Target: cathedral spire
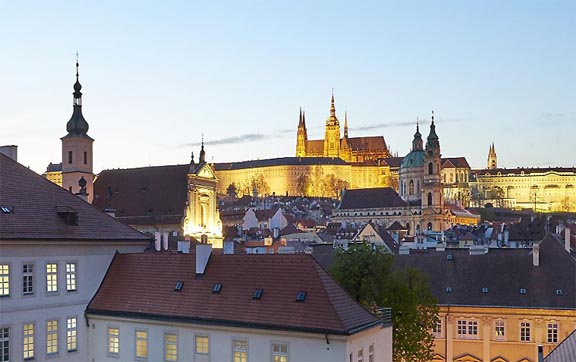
[345,124]
[332,107]
[300,118]
[202,152]
[304,119]
[77,125]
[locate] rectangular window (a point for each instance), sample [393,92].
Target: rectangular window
[51,277]
[499,331]
[360,355]
[85,158]
[113,341]
[202,344]
[4,344]
[28,341]
[28,279]
[69,156]
[4,280]
[141,344]
[371,353]
[71,277]
[472,328]
[552,333]
[279,352]
[52,336]
[170,347]
[525,332]
[467,329]
[437,329]
[71,334]
[240,350]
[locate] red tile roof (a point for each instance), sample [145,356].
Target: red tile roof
[371,198]
[455,162]
[142,286]
[35,202]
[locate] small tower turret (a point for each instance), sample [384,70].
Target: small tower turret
[202,152]
[332,133]
[492,159]
[345,124]
[302,135]
[417,143]
[432,192]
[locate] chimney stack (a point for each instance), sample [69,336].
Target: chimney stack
[10,151]
[536,254]
[157,241]
[567,239]
[203,252]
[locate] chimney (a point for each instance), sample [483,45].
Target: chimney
[536,254]
[203,252]
[567,239]
[10,151]
[228,247]
[157,241]
[165,240]
[184,247]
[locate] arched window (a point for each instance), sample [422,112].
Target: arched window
[411,187]
[429,199]
[429,226]
[430,169]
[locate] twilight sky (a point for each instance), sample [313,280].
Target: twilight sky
[156,75]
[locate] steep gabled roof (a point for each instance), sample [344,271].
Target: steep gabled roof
[142,286]
[39,209]
[373,143]
[371,198]
[565,351]
[455,162]
[147,195]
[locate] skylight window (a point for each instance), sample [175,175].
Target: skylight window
[449,257]
[301,296]
[257,294]
[522,291]
[217,288]
[448,289]
[559,292]
[484,290]
[7,209]
[178,286]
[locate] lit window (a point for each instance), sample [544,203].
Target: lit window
[71,277]
[141,344]
[4,280]
[371,353]
[4,344]
[552,333]
[360,355]
[52,336]
[525,332]
[51,277]
[499,331]
[28,341]
[170,347]
[240,349]
[28,279]
[113,341]
[467,329]
[202,344]
[71,334]
[279,352]
[437,329]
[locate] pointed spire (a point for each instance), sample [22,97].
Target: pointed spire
[345,124]
[300,118]
[202,152]
[332,107]
[417,144]
[77,125]
[432,117]
[304,119]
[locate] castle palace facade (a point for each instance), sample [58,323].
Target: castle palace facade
[349,149]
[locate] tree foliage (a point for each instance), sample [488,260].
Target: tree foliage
[368,274]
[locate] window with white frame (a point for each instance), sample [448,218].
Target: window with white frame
[141,344]
[524,331]
[28,341]
[51,277]
[28,279]
[371,353]
[467,329]
[52,336]
[552,332]
[360,355]
[499,330]
[240,350]
[113,341]
[4,344]
[71,277]
[437,329]
[279,352]
[170,347]
[4,280]
[71,334]
[202,344]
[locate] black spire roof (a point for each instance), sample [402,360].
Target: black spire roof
[77,125]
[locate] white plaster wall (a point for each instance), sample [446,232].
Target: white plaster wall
[301,346]
[380,337]
[250,220]
[92,260]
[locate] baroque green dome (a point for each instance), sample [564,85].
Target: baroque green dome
[413,159]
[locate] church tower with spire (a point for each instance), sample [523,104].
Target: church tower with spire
[302,136]
[77,170]
[432,192]
[492,159]
[332,133]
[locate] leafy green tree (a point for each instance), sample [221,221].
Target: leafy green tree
[368,274]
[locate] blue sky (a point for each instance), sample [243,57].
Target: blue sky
[158,75]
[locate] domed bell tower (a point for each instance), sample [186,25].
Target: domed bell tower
[77,170]
[432,193]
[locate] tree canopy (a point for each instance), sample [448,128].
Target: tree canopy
[368,274]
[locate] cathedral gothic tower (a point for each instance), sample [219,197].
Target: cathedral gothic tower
[432,193]
[302,136]
[332,133]
[77,171]
[492,160]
